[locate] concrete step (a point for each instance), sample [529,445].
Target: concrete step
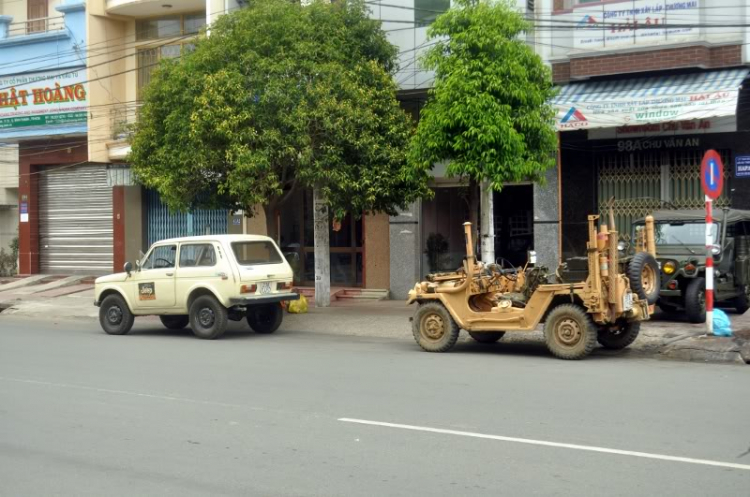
[55,283]
[22,282]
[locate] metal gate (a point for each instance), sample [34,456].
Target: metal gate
[75,221]
[646,181]
[163,224]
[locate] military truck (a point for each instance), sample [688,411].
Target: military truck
[680,250]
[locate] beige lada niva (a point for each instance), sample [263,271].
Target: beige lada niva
[202,281]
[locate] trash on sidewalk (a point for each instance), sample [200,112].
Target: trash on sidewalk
[722,324]
[298,306]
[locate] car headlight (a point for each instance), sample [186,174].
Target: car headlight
[669,267]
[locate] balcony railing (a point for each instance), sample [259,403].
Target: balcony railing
[33,26]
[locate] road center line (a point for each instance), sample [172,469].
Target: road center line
[528,441]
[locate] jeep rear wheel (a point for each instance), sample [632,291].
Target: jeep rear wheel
[695,301]
[569,332]
[487,336]
[208,318]
[619,335]
[434,328]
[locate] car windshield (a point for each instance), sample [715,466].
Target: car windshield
[254,253]
[681,233]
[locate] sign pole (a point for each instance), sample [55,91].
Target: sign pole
[712,182]
[709,268]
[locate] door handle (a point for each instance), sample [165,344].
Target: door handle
[170,274]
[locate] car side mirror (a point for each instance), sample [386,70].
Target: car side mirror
[128,268]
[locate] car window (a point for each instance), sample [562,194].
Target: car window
[161,257]
[254,253]
[197,255]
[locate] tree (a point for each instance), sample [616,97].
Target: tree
[280,97]
[488,112]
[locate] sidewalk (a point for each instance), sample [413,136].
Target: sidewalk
[660,338]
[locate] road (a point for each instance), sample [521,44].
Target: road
[160,413]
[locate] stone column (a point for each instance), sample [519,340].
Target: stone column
[405,250]
[546,222]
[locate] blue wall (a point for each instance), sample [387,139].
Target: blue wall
[60,50]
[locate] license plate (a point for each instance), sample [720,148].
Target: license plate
[264,288]
[627,301]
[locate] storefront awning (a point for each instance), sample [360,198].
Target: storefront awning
[640,101]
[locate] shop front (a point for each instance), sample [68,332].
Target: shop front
[636,145]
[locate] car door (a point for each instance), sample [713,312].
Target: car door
[154,283]
[198,263]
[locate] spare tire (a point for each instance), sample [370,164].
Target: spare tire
[645,277]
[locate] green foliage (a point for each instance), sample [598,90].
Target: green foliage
[279,96]
[9,261]
[488,113]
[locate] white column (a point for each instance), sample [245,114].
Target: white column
[487,223]
[322,251]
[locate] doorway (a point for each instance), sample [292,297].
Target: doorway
[514,223]
[296,235]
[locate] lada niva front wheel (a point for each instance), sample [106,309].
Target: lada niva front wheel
[115,316]
[434,329]
[208,318]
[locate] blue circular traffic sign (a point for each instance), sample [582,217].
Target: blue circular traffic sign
[712,174]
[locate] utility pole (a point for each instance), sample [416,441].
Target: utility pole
[487,222]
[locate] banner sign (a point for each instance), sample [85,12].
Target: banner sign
[599,111]
[43,99]
[742,166]
[640,22]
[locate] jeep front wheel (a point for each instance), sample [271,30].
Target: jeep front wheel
[695,300]
[434,329]
[208,318]
[265,318]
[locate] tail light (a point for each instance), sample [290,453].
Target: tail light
[283,286]
[248,289]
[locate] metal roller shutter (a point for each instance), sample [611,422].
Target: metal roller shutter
[75,221]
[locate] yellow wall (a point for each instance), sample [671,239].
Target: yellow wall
[107,86]
[133,223]
[17,9]
[377,251]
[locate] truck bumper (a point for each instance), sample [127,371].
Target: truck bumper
[264,299]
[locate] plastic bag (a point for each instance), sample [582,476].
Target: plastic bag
[722,324]
[298,306]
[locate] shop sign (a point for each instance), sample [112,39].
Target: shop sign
[642,22]
[742,166]
[724,124]
[657,144]
[43,99]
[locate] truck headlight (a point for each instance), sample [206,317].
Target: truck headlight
[669,267]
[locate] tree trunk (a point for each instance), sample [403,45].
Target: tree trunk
[474,210]
[322,251]
[487,229]
[272,227]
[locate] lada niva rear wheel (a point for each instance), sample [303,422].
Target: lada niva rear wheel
[265,318]
[208,318]
[115,316]
[434,329]
[569,332]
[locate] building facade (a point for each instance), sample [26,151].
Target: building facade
[646,87]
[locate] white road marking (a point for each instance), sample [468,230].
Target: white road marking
[528,441]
